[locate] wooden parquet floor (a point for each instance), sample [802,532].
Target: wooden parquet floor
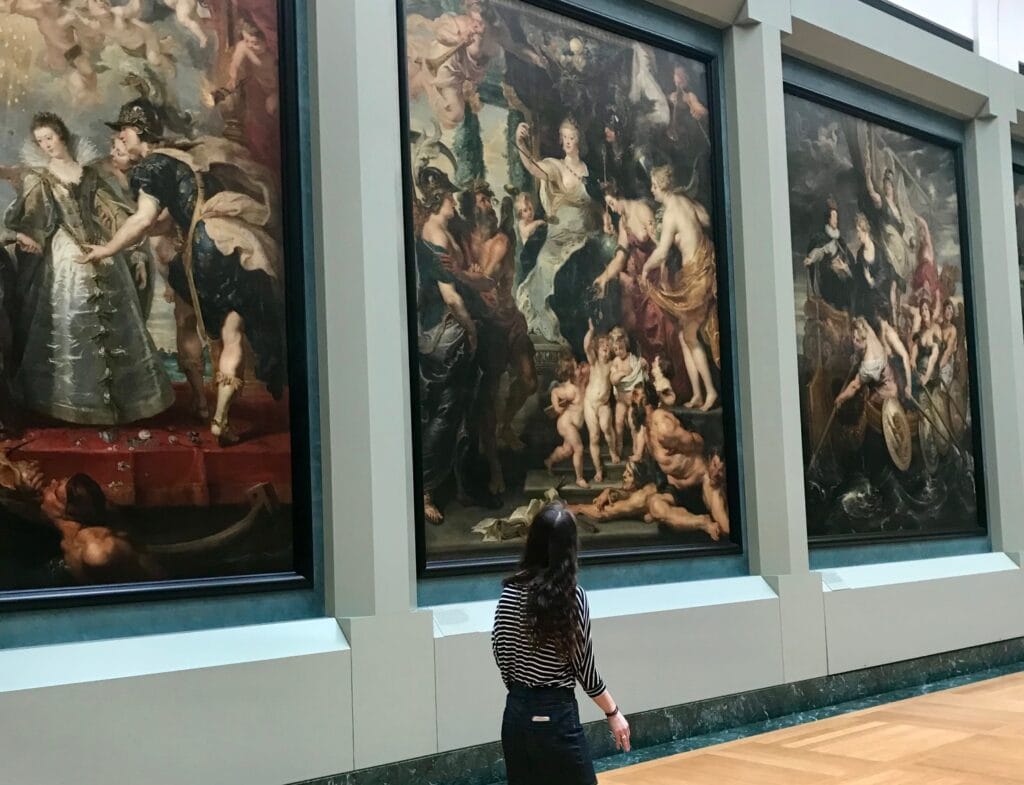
[972,735]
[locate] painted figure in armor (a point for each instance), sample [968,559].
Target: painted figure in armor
[82,353]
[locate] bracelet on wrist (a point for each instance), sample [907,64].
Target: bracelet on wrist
[610,714]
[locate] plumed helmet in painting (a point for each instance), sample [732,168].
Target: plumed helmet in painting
[143,116]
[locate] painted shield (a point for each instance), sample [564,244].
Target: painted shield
[896,430]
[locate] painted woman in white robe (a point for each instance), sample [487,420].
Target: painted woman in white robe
[83,353]
[571,214]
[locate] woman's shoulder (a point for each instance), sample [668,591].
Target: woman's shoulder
[511,599]
[512,588]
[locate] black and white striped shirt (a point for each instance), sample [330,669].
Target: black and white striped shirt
[521,662]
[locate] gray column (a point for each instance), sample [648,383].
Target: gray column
[766,341]
[997,311]
[765,330]
[364,366]
[364,357]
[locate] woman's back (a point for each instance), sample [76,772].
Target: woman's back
[522,661]
[541,643]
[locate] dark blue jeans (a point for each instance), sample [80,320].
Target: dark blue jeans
[543,740]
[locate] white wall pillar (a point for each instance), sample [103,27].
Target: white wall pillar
[997,310]
[770,403]
[768,381]
[368,485]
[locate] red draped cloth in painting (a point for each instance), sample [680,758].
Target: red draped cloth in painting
[653,332]
[257,129]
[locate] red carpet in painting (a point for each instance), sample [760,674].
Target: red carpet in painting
[180,463]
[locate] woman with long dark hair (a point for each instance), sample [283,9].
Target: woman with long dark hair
[542,645]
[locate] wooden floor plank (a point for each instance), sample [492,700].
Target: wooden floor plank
[971,735]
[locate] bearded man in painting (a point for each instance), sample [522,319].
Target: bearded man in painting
[504,342]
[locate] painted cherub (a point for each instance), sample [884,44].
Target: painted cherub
[123,25]
[597,407]
[567,406]
[662,373]
[526,215]
[627,371]
[187,12]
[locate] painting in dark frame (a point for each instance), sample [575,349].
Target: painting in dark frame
[153,383]
[884,328]
[550,155]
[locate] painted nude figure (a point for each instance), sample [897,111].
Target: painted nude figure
[691,296]
[54,23]
[597,408]
[567,405]
[187,14]
[627,372]
[687,472]
[504,339]
[679,454]
[874,370]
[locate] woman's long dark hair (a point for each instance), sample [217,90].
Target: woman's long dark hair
[548,571]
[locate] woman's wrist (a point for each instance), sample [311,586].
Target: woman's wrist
[612,713]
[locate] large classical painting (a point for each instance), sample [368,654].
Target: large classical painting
[883,327]
[147,270]
[566,283]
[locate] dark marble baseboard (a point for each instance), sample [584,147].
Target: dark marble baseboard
[675,729]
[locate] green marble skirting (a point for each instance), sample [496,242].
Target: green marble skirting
[688,726]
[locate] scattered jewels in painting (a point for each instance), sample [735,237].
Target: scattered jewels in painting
[144,425]
[882,328]
[565,280]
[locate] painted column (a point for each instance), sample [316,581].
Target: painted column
[765,330]
[365,373]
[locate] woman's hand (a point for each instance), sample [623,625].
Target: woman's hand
[28,245]
[620,731]
[96,253]
[522,134]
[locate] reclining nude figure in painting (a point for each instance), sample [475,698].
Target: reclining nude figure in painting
[91,549]
[681,474]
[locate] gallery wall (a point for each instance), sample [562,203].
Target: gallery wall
[282,702]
